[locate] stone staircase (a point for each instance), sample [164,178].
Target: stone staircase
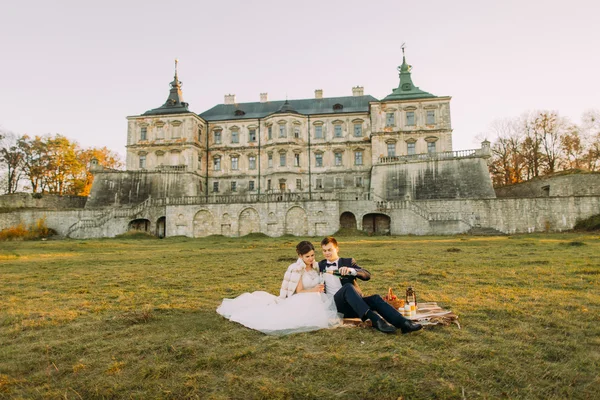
[99,220]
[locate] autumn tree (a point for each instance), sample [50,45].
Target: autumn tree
[542,143]
[35,161]
[56,165]
[82,183]
[11,159]
[507,162]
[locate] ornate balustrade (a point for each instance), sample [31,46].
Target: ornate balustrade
[444,155]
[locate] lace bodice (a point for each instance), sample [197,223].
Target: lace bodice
[310,279]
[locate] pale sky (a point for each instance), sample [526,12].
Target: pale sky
[78,68]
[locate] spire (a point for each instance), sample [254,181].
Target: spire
[406,89]
[174,103]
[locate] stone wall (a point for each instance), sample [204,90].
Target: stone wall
[320,218]
[455,178]
[127,188]
[581,184]
[46,201]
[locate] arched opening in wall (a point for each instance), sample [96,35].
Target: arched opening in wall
[347,220]
[203,223]
[376,224]
[142,225]
[296,222]
[161,227]
[249,222]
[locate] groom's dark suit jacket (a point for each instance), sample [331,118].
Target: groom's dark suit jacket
[361,273]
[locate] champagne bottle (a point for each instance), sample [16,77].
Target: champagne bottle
[337,273]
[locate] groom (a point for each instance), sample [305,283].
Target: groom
[348,298]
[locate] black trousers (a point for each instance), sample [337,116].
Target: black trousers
[350,303]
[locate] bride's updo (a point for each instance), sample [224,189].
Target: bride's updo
[304,247]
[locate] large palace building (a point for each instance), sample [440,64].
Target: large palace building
[304,167]
[309,146]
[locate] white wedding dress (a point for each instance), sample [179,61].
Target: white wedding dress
[269,314]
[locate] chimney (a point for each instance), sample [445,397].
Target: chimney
[319,94]
[230,99]
[358,91]
[264,97]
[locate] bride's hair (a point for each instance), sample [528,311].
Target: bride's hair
[304,247]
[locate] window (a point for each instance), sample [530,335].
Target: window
[142,161]
[338,159]
[296,160]
[319,183]
[282,131]
[410,118]
[216,187]
[411,149]
[252,135]
[233,186]
[235,163]
[357,130]
[270,160]
[251,185]
[390,119]
[337,130]
[297,132]
[217,163]
[319,132]
[391,149]
[199,134]
[235,136]
[358,181]
[268,184]
[430,117]
[339,183]
[358,158]
[298,184]
[144,133]
[319,159]
[282,159]
[431,147]
[217,135]
[270,133]
[252,162]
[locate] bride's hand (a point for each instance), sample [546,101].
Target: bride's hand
[320,288]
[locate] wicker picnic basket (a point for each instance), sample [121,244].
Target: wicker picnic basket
[393,300]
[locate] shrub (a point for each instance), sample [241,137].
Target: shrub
[38,230]
[589,224]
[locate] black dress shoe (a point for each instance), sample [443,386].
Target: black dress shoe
[383,326]
[379,323]
[409,326]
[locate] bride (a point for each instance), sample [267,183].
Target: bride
[302,305]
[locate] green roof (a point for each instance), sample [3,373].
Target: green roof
[407,89]
[330,105]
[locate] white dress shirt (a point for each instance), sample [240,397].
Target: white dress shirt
[332,283]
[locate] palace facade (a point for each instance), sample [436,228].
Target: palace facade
[307,146]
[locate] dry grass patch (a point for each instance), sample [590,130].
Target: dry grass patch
[116,318]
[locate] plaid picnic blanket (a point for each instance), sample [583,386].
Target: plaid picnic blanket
[427,314]
[432,314]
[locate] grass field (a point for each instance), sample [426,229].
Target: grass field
[117,318]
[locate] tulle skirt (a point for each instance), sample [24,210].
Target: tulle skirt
[269,314]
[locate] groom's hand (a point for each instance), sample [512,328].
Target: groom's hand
[345,271]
